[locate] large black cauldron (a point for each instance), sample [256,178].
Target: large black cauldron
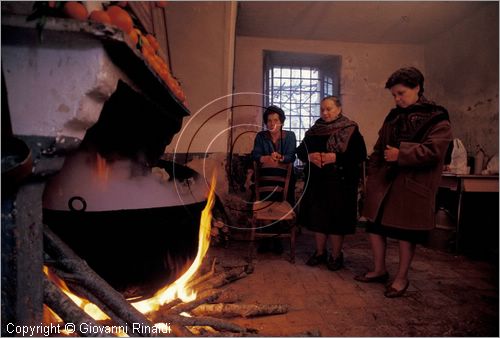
[131,227]
[134,230]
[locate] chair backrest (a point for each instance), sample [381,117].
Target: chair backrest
[272,181]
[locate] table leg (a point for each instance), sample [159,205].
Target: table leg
[459,212]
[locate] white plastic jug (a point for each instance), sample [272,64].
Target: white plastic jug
[478,160]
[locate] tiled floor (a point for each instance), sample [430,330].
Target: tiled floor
[449,295]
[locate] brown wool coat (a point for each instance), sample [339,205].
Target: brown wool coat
[406,197]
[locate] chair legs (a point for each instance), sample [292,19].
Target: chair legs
[292,243]
[253,236]
[251,246]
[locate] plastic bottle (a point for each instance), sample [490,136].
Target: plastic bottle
[478,160]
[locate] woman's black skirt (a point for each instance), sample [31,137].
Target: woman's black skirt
[412,236]
[330,207]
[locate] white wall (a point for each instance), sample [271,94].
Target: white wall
[364,71]
[462,67]
[201,41]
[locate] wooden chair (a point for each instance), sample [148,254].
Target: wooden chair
[270,208]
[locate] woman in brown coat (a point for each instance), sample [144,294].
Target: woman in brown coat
[403,175]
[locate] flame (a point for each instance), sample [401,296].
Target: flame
[102,168]
[178,288]
[50,316]
[90,308]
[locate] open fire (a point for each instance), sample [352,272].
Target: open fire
[179,289]
[189,305]
[91,309]
[97,243]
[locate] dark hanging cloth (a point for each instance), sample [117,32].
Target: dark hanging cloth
[340,131]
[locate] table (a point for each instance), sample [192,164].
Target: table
[467,183]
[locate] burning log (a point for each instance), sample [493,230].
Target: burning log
[210,302]
[243,310]
[83,292]
[216,323]
[209,296]
[180,331]
[202,278]
[169,305]
[225,278]
[186,307]
[80,272]
[228,296]
[67,310]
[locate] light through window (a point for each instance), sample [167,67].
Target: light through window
[298,91]
[297,82]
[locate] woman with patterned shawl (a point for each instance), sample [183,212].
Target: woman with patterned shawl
[403,175]
[333,150]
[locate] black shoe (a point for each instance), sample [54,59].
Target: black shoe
[336,263]
[277,246]
[316,259]
[391,292]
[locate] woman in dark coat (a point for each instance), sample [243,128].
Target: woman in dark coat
[403,175]
[333,150]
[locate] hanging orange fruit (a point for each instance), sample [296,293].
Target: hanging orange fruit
[134,36]
[100,16]
[153,42]
[146,49]
[120,18]
[75,10]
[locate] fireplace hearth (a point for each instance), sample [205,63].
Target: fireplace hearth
[130,226]
[82,93]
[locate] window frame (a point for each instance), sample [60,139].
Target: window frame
[328,74]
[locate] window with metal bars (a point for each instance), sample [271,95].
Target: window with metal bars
[297,83]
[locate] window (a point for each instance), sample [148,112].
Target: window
[297,83]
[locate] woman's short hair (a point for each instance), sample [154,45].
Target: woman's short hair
[335,100]
[274,110]
[407,76]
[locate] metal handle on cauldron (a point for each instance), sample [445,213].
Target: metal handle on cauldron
[80,199]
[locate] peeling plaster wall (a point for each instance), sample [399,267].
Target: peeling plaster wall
[201,44]
[44,98]
[364,71]
[462,67]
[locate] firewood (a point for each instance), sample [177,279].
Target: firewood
[61,304]
[224,278]
[177,330]
[167,306]
[204,331]
[180,330]
[202,299]
[243,310]
[116,320]
[79,271]
[193,283]
[218,324]
[228,296]
[224,296]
